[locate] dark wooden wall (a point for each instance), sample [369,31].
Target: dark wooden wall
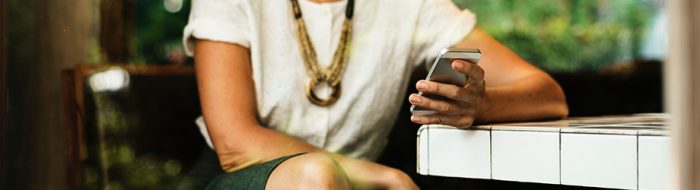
[3,58]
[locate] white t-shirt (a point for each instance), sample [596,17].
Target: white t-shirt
[389,39]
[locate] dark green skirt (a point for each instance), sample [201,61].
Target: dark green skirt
[253,177]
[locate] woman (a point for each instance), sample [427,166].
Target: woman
[301,94]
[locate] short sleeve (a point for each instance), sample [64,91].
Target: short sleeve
[217,20]
[440,24]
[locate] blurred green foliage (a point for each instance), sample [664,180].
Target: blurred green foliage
[555,35]
[158,32]
[115,163]
[566,35]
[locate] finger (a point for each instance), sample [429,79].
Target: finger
[456,121]
[474,85]
[446,90]
[435,105]
[473,71]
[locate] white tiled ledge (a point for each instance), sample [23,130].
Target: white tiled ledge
[625,152]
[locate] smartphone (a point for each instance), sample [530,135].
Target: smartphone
[441,71]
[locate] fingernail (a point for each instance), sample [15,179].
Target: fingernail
[415,99]
[422,85]
[414,119]
[457,65]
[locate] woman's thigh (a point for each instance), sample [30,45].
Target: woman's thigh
[251,178]
[301,171]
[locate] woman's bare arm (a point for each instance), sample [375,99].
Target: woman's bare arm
[227,93]
[515,90]
[502,87]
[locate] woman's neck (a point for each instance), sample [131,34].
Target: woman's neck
[324,1]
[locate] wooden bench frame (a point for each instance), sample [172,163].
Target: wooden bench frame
[73,85]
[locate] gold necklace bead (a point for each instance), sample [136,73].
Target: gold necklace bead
[331,75]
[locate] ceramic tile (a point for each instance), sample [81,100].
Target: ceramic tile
[659,116]
[617,119]
[654,132]
[458,153]
[422,150]
[647,124]
[558,123]
[476,127]
[654,161]
[593,151]
[595,160]
[527,128]
[525,156]
[601,129]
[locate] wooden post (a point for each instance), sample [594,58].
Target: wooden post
[682,92]
[52,35]
[71,113]
[3,99]
[116,25]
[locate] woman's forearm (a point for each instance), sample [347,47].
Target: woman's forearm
[515,90]
[254,145]
[536,96]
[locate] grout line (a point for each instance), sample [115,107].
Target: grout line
[560,156]
[637,159]
[491,153]
[419,157]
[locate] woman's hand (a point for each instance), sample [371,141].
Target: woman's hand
[463,103]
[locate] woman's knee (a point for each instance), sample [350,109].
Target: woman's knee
[317,164]
[311,170]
